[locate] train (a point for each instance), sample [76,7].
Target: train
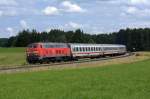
[52,52]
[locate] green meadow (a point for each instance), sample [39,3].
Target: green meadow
[124,81]
[12,56]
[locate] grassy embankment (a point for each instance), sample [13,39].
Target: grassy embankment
[122,81]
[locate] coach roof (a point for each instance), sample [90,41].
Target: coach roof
[102,45]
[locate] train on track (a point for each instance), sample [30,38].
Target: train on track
[51,52]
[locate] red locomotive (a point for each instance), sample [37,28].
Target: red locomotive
[40,52]
[50,52]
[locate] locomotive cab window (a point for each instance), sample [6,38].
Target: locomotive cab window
[33,46]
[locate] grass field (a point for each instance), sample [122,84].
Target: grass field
[12,56]
[128,81]
[120,79]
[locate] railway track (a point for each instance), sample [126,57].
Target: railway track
[24,67]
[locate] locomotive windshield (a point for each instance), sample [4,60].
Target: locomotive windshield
[32,46]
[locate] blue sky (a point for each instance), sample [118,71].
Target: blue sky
[93,16]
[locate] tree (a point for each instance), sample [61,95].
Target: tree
[78,37]
[134,39]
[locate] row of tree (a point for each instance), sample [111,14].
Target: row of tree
[134,39]
[26,37]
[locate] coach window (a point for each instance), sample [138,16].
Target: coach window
[83,49]
[97,49]
[74,49]
[86,48]
[94,48]
[80,49]
[105,48]
[91,48]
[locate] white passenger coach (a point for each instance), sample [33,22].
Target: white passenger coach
[89,50]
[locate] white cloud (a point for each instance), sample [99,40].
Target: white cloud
[137,8]
[1,13]
[23,24]
[10,30]
[8,2]
[128,2]
[70,7]
[8,12]
[132,10]
[50,10]
[137,11]
[74,25]
[139,2]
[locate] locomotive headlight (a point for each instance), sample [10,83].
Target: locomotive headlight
[35,52]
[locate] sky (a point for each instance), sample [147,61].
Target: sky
[92,16]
